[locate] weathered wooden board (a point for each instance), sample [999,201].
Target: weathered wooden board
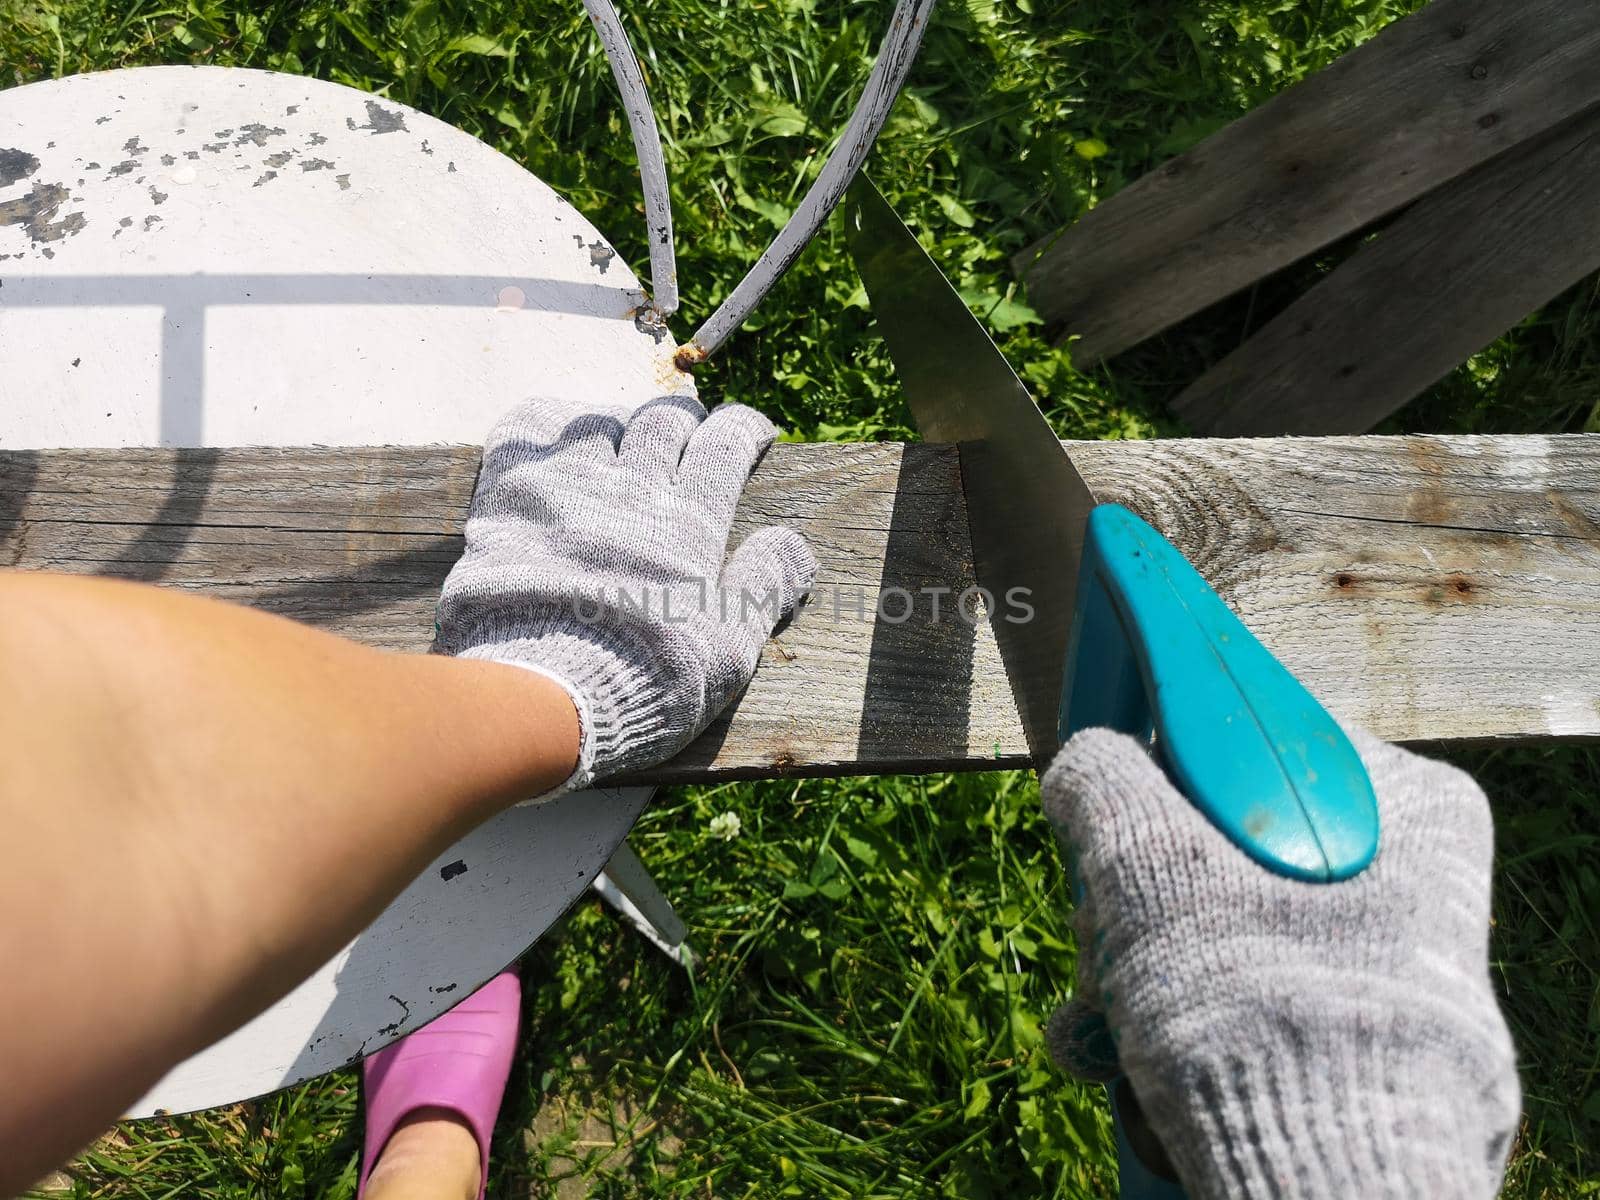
[1429,98]
[1429,588]
[1448,277]
[359,541]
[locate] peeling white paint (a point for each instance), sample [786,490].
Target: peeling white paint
[322,247]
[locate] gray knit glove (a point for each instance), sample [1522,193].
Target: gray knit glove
[1289,1038]
[594,555]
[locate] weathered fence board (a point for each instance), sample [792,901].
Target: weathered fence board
[1448,277]
[1430,588]
[1429,98]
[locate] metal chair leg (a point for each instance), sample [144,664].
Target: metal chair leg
[628,888]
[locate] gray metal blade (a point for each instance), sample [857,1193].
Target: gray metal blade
[1026,503]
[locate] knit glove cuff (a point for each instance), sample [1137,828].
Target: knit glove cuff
[595,665]
[1372,1112]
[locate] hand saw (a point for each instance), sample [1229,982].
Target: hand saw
[1124,633]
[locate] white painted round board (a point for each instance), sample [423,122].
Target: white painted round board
[197,256]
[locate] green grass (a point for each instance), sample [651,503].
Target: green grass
[878,953]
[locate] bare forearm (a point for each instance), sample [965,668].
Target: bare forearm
[204,802]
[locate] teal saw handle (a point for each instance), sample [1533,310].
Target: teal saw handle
[1154,651]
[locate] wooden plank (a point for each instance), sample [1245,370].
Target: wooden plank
[1429,588]
[1452,274]
[1429,98]
[359,541]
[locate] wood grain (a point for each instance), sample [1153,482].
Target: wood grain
[1431,97]
[1429,588]
[1453,273]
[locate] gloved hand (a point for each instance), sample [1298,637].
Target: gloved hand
[594,556]
[1287,1038]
